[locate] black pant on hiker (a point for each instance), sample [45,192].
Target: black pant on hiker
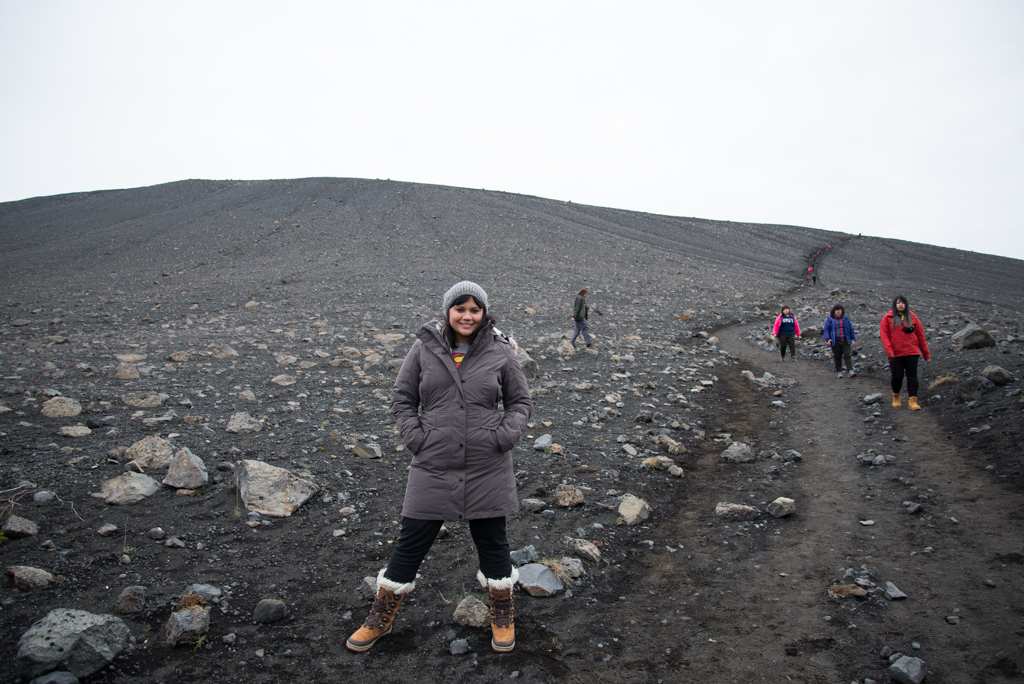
[417,536]
[904,365]
[842,351]
[789,340]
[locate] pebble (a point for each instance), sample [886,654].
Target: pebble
[43,496]
[107,530]
[893,593]
[908,670]
[269,610]
[459,647]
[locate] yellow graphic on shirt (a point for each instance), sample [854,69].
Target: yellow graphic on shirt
[457,358]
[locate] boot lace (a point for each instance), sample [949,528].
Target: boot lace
[502,609]
[382,612]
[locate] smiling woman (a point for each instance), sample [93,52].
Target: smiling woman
[445,401]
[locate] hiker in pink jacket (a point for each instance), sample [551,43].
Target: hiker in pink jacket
[786,330]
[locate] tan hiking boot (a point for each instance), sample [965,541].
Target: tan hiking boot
[912,403]
[382,614]
[895,400]
[503,629]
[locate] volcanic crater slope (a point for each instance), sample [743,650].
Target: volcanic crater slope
[264,321]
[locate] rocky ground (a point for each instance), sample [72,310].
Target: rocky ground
[169,311]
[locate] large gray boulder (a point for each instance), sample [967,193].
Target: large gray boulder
[972,337]
[127,489]
[187,471]
[270,490]
[972,388]
[74,640]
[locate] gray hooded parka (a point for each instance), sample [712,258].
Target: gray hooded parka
[461,444]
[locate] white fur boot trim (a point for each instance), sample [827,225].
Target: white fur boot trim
[392,586]
[498,584]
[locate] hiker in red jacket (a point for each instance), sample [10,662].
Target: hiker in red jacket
[903,338]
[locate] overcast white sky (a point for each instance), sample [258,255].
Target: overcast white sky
[899,119]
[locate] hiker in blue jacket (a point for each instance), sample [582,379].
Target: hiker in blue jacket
[839,335]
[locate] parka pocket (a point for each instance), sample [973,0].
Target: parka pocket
[490,422]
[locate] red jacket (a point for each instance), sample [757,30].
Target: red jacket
[899,343]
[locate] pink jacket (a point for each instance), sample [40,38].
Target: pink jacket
[778,322]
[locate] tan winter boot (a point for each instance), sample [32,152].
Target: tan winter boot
[382,614]
[503,612]
[914,406]
[895,400]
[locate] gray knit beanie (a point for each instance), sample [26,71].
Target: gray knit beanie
[465,287]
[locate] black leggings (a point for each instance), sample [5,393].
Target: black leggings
[900,365]
[417,536]
[790,341]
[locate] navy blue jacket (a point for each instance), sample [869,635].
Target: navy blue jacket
[831,330]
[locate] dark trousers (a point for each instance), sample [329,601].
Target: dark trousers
[904,365]
[790,341]
[842,351]
[417,536]
[581,327]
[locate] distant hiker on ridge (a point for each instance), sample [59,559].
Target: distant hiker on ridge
[457,371]
[903,338]
[786,330]
[839,335]
[580,313]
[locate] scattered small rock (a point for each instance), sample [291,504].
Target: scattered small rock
[634,510]
[731,511]
[538,580]
[908,670]
[567,496]
[16,527]
[893,593]
[738,452]
[26,578]
[131,600]
[472,612]
[782,507]
[127,489]
[61,407]
[269,610]
[242,423]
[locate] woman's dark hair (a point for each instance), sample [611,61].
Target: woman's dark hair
[897,319]
[583,291]
[836,307]
[446,330]
[784,307]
